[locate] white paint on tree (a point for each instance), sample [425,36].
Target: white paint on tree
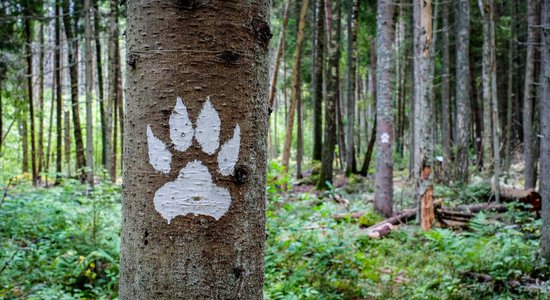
[207,131]
[181,129]
[385,138]
[159,156]
[229,153]
[193,191]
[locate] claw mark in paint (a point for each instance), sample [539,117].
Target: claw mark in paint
[193,191]
[385,138]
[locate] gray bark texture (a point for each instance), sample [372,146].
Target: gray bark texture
[545,130]
[484,7]
[195,49]
[462,24]
[383,179]
[528,97]
[317,78]
[352,58]
[445,95]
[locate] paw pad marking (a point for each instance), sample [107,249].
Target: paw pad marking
[193,191]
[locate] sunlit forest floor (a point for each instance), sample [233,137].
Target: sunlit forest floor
[60,243]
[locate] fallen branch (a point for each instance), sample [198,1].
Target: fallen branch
[385,227]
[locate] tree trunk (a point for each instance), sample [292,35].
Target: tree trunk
[317,82]
[494,101]
[199,234]
[510,96]
[487,63]
[295,82]
[112,89]
[545,128]
[28,55]
[280,50]
[23,132]
[462,89]
[352,57]
[528,99]
[446,97]
[383,179]
[88,79]
[423,130]
[41,102]
[67,142]
[476,118]
[101,93]
[331,99]
[58,94]
[72,43]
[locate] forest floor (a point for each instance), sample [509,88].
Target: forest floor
[59,243]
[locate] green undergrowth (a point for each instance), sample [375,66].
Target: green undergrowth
[63,243]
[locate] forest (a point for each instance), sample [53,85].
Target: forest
[283,149]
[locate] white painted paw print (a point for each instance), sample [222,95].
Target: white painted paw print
[193,191]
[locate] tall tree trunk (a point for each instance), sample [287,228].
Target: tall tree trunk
[300,135]
[88,79]
[317,81]
[58,94]
[476,118]
[352,57]
[40,144]
[510,94]
[173,247]
[101,93]
[446,96]
[462,88]
[28,55]
[72,43]
[528,97]
[383,179]
[487,63]
[423,130]
[331,99]
[494,101]
[111,95]
[545,128]
[295,82]
[120,106]
[280,50]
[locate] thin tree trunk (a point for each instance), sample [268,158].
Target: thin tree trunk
[510,95]
[317,82]
[545,128]
[295,89]
[111,95]
[462,88]
[487,89]
[41,102]
[331,99]
[280,50]
[477,117]
[445,96]
[67,142]
[23,132]
[178,248]
[300,136]
[101,93]
[383,179]
[58,94]
[352,57]
[528,98]
[494,100]
[372,137]
[72,43]
[88,79]
[423,130]
[28,55]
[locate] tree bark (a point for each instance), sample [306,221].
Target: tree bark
[317,82]
[372,137]
[23,132]
[484,7]
[510,95]
[528,97]
[67,142]
[72,43]
[383,179]
[423,132]
[352,57]
[88,79]
[331,99]
[101,93]
[545,128]
[58,92]
[462,88]
[295,82]
[28,55]
[112,89]
[206,251]
[280,50]
[40,144]
[445,96]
